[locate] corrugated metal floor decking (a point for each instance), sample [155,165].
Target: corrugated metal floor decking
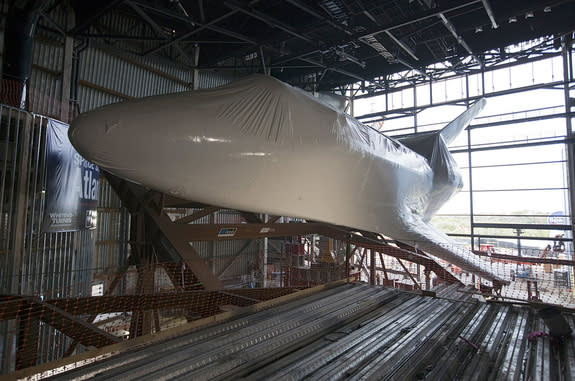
[356,331]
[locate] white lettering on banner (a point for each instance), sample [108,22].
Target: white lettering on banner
[90,186]
[83,163]
[61,218]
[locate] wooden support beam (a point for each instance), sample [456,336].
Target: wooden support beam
[195,300]
[364,250]
[176,234]
[216,232]
[10,306]
[383,266]
[135,325]
[251,217]
[28,338]
[408,273]
[422,259]
[109,289]
[182,245]
[30,310]
[182,277]
[144,302]
[274,219]
[76,328]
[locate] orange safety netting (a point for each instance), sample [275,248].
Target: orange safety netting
[143,299]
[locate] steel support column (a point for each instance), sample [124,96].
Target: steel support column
[372,267]
[570,146]
[67,65]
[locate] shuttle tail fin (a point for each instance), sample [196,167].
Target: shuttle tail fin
[455,127]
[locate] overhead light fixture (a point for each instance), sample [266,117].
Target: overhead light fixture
[512,19]
[547,9]
[529,15]
[478,29]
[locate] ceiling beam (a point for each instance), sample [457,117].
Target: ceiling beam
[459,39]
[159,31]
[200,27]
[274,23]
[490,13]
[95,16]
[423,16]
[402,45]
[309,10]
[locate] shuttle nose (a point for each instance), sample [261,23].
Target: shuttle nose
[98,136]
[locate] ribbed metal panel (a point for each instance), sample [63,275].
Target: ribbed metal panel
[49,265]
[45,92]
[112,72]
[46,265]
[47,54]
[13,124]
[210,79]
[355,332]
[58,16]
[224,259]
[90,98]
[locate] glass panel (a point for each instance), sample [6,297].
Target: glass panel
[509,232]
[522,75]
[541,219]
[369,105]
[554,152]
[439,89]
[520,202]
[441,115]
[548,175]
[475,87]
[461,158]
[460,142]
[422,92]
[401,99]
[397,126]
[514,106]
[455,88]
[557,68]
[519,132]
[458,204]
[460,224]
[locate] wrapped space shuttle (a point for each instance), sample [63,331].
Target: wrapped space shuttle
[264,146]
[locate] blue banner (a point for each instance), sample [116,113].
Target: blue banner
[71,184]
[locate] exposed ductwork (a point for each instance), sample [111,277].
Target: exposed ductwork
[18,39]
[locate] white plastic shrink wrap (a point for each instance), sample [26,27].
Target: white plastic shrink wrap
[261,145]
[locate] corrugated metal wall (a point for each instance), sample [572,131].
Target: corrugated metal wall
[46,265]
[106,75]
[42,265]
[60,265]
[45,93]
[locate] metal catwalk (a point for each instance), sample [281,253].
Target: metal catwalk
[356,331]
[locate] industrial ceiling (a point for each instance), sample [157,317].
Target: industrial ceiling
[324,43]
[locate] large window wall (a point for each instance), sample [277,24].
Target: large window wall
[514,156]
